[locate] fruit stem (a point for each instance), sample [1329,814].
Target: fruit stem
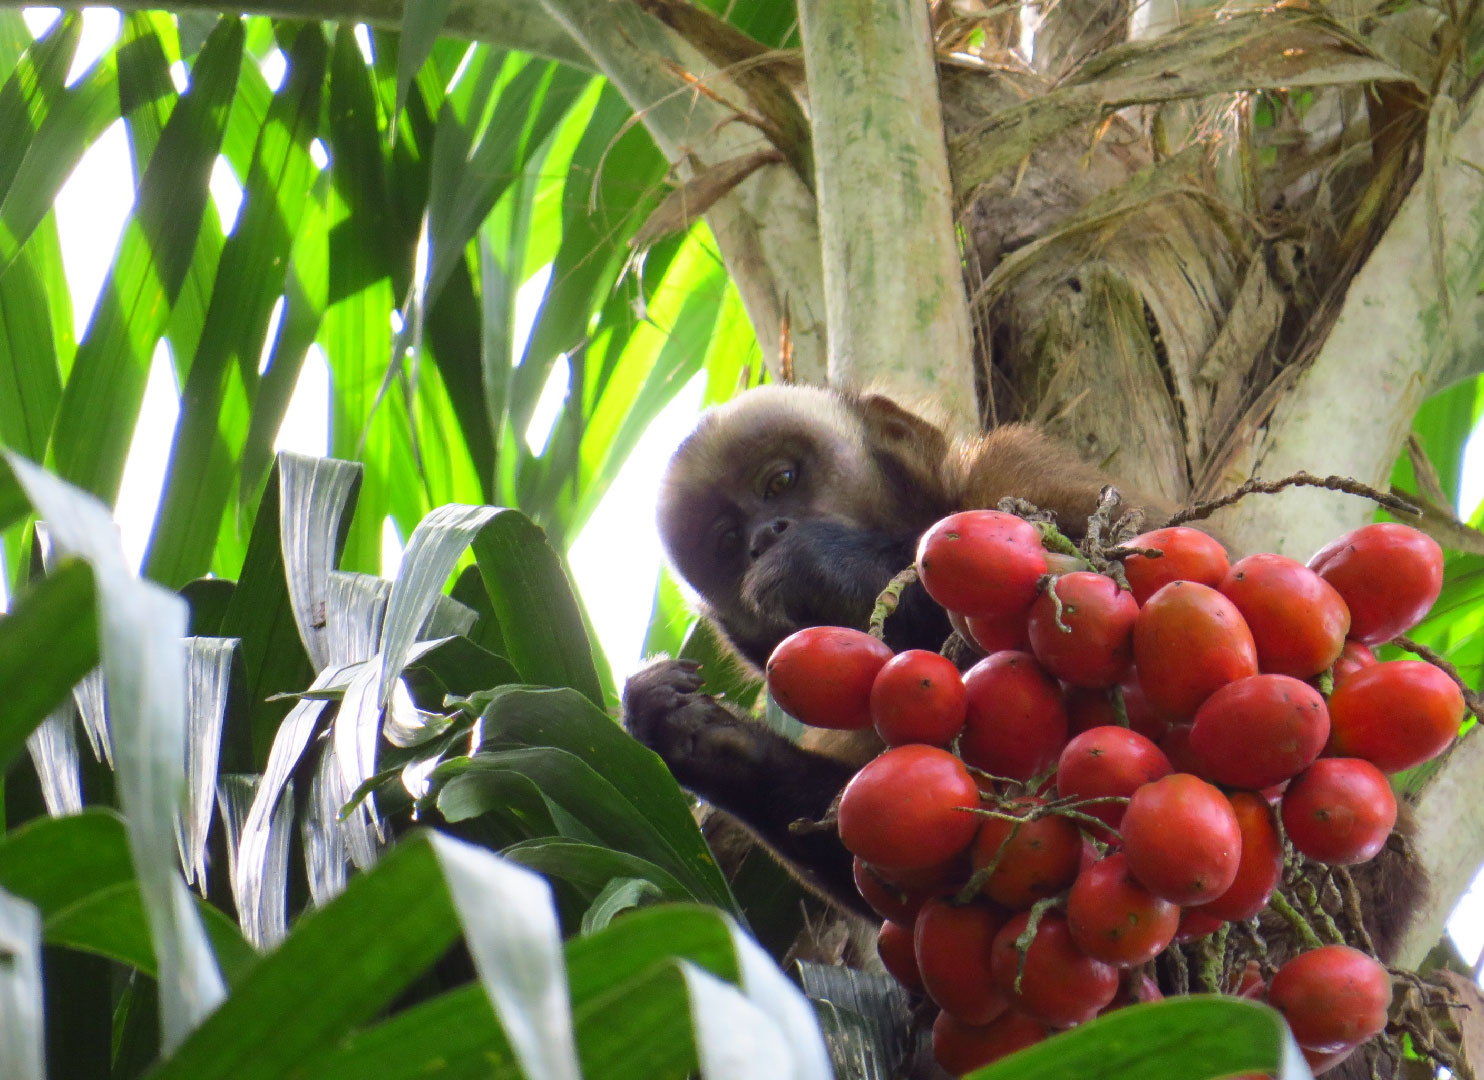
[1203,510]
[1300,925]
[1213,958]
[888,600]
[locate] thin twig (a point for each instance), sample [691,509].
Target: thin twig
[1201,511]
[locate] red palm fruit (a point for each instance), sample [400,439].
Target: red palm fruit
[1261,863]
[1389,574]
[1016,723]
[1189,555]
[1108,761]
[1182,839]
[1340,811]
[1298,620]
[953,956]
[1189,641]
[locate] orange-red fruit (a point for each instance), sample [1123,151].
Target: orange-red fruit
[1340,811]
[1195,924]
[1259,730]
[1189,641]
[995,633]
[894,946]
[1389,575]
[961,1048]
[1396,714]
[1108,761]
[918,697]
[1115,919]
[899,897]
[1096,646]
[981,562]
[909,809]
[1060,985]
[1016,723]
[1332,997]
[1353,657]
[1260,866]
[1298,620]
[822,675]
[1182,839]
[1189,555]
[1033,860]
[953,954]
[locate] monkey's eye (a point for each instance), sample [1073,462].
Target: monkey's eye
[779,482]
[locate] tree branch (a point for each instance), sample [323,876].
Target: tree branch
[892,274]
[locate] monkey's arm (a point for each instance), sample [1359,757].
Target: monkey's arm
[746,769]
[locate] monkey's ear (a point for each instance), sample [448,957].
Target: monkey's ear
[892,427]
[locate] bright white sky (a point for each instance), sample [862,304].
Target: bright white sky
[615,559]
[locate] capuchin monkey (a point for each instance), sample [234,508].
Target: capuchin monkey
[794,506]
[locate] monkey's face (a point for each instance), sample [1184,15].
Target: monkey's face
[788,507]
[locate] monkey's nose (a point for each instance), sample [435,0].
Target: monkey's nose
[766,535]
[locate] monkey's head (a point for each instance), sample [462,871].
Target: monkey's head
[793,506]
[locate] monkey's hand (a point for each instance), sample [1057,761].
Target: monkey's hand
[745,768]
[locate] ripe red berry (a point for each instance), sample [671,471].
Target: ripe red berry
[1298,620]
[1389,574]
[1182,839]
[1115,919]
[909,808]
[1108,761]
[918,697]
[1259,731]
[1340,811]
[1396,714]
[1060,985]
[1033,859]
[981,562]
[1259,867]
[822,675]
[1332,997]
[961,1048]
[1088,639]
[953,953]
[1087,709]
[1353,657]
[894,946]
[1189,555]
[1189,641]
[899,896]
[995,633]
[1016,722]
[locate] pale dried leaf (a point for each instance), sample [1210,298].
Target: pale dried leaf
[678,210]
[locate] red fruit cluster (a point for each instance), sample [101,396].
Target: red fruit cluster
[1103,783]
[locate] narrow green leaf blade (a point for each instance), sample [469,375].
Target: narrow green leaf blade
[47,643]
[340,966]
[100,403]
[1187,1038]
[533,601]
